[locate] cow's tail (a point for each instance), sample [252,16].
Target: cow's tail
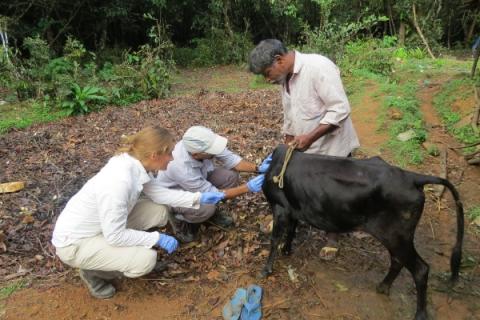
[456,257]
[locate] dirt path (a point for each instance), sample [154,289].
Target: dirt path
[342,289]
[364,117]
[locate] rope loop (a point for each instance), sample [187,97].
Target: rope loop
[279,179]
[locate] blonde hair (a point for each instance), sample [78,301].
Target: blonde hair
[148,141]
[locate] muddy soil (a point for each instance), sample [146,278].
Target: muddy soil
[339,289]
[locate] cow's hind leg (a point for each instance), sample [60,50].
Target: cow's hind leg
[395,268]
[280,218]
[291,229]
[408,256]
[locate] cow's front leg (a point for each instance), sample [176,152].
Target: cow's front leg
[279,224]
[291,229]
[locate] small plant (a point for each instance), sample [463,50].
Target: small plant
[83,100]
[6,291]
[433,150]
[474,215]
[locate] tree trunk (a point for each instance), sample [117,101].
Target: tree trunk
[449,31]
[472,28]
[391,21]
[401,33]
[419,31]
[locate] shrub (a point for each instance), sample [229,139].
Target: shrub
[83,100]
[369,55]
[220,47]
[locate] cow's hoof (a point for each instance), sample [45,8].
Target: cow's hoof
[383,289]
[421,315]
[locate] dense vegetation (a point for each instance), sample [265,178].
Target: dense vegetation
[62,58]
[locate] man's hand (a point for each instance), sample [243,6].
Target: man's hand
[211,197]
[168,243]
[255,184]
[287,139]
[302,142]
[265,164]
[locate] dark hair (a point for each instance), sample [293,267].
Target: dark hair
[263,55]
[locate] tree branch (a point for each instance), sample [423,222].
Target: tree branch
[419,31]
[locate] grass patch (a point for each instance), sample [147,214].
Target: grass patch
[400,99]
[474,213]
[258,82]
[454,91]
[7,290]
[22,115]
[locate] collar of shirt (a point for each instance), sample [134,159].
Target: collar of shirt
[298,64]
[138,171]
[297,67]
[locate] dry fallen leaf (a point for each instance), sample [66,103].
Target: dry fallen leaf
[3,246]
[11,186]
[27,219]
[213,275]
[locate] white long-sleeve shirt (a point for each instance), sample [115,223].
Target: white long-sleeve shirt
[317,97]
[186,173]
[104,202]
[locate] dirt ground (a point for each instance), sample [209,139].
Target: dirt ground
[203,276]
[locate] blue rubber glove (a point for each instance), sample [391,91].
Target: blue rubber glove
[211,197]
[255,184]
[265,164]
[169,243]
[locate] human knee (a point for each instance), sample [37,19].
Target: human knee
[231,179]
[142,263]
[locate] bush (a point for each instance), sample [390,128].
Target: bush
[83,100]
[331,39]
[369,55]
[217,48]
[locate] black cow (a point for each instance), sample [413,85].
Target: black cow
[344,194]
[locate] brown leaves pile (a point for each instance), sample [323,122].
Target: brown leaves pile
[56,159]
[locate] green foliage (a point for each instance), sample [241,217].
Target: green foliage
[259,82]
[473,213]
[457,89]
[30,112]
[433,150]
[83,100]
[219,48]
[369,55]
[39,52]
[330,39]
[405,53]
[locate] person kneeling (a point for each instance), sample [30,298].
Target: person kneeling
[193,169]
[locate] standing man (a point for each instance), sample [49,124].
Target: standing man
[194,169]
[315,107]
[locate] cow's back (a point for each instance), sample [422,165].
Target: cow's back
[339,194]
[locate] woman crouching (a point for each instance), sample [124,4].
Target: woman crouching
[100,231]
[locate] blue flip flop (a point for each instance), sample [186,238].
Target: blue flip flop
[233,308]
[252,308]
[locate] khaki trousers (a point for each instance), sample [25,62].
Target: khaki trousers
[96,254]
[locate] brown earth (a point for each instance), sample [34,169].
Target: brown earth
[57,158]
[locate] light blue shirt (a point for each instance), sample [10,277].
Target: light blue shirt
[188,174]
